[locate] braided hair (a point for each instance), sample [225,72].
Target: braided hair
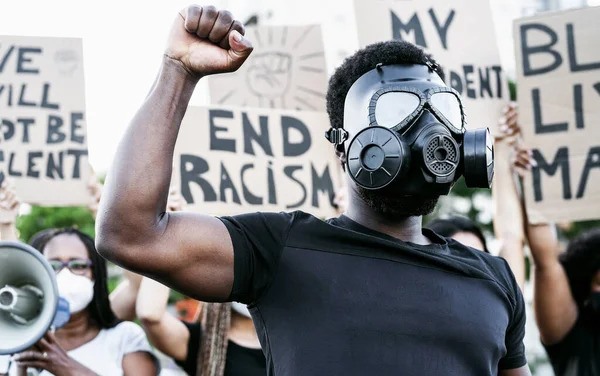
[216,319]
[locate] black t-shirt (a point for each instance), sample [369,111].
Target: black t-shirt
[578,354]
[240,361]
[337,298]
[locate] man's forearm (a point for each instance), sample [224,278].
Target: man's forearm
[136,188]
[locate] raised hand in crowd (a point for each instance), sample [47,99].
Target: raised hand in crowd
[555,308]
[508,125]
[9,209]
[508,214]
[132,230]
[95,190]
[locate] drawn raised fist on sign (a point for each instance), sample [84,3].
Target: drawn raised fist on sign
[269,75]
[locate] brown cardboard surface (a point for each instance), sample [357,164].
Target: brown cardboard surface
[460,35]
[286,70]
[560,92]
[231,160]
[43,138]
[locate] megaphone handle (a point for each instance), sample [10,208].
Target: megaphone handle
[10,362]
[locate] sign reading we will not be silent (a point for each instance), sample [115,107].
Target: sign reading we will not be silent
[460,36]
[231,160]
[558,69]
[43,138]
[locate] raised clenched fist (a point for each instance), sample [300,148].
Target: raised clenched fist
[206,41]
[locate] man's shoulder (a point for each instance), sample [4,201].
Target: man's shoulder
[495,267]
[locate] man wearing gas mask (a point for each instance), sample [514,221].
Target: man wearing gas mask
[368,293]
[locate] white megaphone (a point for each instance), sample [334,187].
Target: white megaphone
[28,297]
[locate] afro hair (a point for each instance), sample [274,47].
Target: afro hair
[581,262]
[364,60]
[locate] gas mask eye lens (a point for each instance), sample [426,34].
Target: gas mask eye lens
[449,106]
[395,106]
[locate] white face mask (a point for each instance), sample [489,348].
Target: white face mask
[241,309]
[76,289]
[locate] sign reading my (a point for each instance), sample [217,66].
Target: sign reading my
[559,95]
[231,161]
[464,45]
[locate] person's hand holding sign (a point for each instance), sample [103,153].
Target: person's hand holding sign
[207,41]
[9,208]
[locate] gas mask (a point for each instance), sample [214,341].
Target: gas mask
[404,129]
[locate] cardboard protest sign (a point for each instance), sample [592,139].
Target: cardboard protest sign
[558,69]
[460,35]
[43,141]
[286,70]
[232,160]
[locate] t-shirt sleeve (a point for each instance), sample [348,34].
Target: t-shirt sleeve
[133,339]
[258,241]
[515,348]
[190,364]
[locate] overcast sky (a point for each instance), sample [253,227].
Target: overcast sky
[123,42]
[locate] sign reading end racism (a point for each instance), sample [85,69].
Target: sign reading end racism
[460,36]
[286,70]
[558,67]
[43,142]
[236,160]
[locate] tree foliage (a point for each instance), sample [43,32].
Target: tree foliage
[41,218]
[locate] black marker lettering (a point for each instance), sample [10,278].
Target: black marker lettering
[527,51]
[561,160]
[191,169]
[223,144]
[540,127]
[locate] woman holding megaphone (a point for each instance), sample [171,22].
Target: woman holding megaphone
[93,341]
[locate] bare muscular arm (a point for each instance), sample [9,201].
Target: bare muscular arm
[133,229]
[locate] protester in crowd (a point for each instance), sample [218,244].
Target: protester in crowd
[508,218]
[93,341]
[224,342]
[566,291]
[369,292]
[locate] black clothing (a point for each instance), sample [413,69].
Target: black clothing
[337,298]
[240,361]
[578,354]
